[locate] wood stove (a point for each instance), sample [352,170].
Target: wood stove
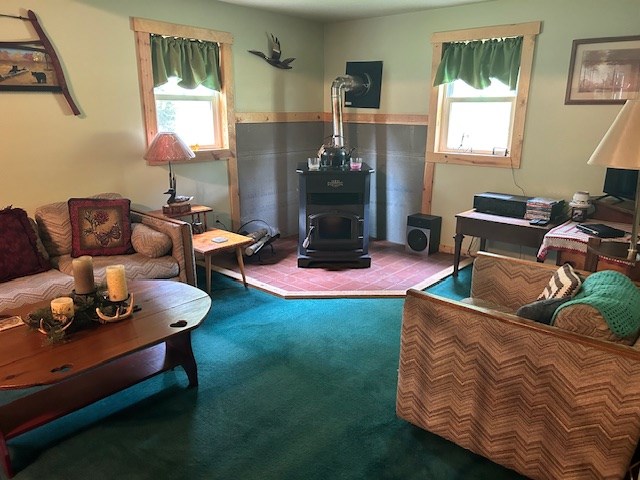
[333,222]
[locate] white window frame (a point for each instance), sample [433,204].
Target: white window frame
[143,29]
[434,153]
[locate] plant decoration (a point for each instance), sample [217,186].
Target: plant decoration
[85,315]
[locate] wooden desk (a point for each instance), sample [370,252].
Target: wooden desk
[197,213]
[203,243]
[494,227]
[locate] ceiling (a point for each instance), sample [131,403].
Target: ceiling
[339,10]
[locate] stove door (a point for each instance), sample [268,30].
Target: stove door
[335,230]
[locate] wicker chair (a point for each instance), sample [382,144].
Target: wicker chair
[542,400]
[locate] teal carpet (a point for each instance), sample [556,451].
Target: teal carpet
[289,389]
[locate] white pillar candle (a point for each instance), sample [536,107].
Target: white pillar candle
[83,275]
[62,306]
[117,283]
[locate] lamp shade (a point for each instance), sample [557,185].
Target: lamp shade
[620,146]
[168,147]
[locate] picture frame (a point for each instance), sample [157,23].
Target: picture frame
[26,68]
[604,71]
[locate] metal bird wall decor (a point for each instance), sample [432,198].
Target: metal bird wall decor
[275,52]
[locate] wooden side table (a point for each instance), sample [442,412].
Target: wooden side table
[495,227]
[204,244]
[197,213]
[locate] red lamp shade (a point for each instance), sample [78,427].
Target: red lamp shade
[168,147]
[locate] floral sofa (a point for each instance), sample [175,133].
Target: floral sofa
[159,248]
[549,401]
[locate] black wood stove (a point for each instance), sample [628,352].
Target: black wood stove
[333,223]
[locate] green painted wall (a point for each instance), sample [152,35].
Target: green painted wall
[47,154]
[559,138]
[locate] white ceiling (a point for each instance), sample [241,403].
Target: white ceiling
[339,10]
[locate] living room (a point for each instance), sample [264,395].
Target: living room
[56,155]
[50,155]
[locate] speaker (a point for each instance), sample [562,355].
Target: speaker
[423,233]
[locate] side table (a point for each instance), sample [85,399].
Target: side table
[204,244]
[197,213]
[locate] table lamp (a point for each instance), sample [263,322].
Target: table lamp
[620,148]
[168,146]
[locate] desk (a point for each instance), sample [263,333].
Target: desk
[203,243]
[197,212]
[494,227]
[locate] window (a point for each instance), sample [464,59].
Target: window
[477,121]
[198,107]
[480,126]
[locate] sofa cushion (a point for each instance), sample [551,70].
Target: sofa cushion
[100,227]
[149,242]
[19,255]
[32,289]
[55,226]
[565,282]
[136,266]
[541,311]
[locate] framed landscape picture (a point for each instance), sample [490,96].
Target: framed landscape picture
[604,71]
[26,68]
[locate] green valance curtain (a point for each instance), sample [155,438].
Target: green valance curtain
[478,61]
[194,62]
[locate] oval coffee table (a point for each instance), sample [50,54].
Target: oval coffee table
[97,362]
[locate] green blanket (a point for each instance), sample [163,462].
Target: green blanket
[615,296]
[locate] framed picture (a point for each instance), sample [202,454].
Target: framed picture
[604,71]
[26,68]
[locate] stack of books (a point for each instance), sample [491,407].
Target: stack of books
[539,208]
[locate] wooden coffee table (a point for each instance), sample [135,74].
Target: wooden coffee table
[204,244]
[97,362]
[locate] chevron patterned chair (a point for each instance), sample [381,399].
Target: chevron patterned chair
[550,402]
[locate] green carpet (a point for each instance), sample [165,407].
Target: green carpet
[289,389]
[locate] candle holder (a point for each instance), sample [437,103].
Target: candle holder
[111,312]
[56,326]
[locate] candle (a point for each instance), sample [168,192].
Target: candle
[117,283]
[62,307]
[83,275]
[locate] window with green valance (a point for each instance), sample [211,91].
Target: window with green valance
[476,62]
[194,62]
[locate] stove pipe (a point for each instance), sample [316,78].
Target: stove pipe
[345,83]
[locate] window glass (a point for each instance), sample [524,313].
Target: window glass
[191,113]
[477,121]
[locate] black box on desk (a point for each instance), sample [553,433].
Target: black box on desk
[502,204]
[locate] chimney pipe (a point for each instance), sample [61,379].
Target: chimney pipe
[341,84]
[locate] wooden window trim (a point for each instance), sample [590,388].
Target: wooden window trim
[143,28]
[528,31]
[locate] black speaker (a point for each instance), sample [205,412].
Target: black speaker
[423,233]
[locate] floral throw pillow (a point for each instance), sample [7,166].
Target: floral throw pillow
[19,255]
[99,226]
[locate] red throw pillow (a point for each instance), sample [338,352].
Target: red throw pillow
[100,226]
[19,255]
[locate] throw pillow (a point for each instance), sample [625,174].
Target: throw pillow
[565,282]
[99,226]
[19,255]
[150,242]
[541,311]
